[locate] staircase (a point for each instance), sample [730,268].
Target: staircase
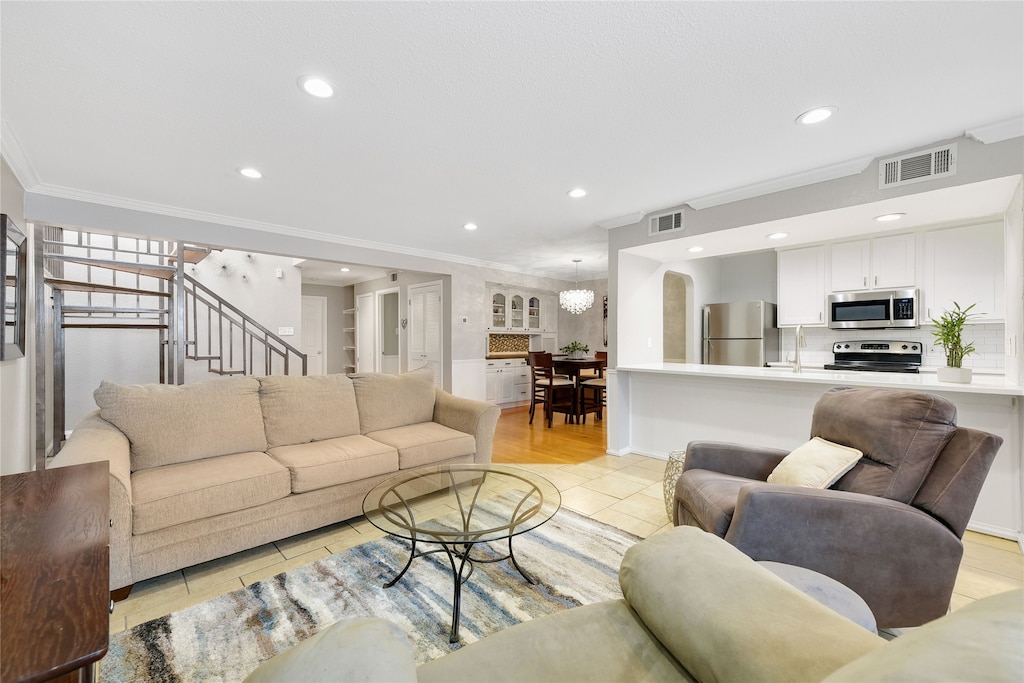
[119,282]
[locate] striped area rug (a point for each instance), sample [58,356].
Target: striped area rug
[575,561]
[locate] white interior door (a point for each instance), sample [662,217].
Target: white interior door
[425,329]
[314,334]
[365,335]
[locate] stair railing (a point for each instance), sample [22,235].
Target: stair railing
[218,332]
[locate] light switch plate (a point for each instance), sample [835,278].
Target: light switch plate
[286,332]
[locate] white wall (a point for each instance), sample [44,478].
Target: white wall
[17,375]
[1013,241]
[749,277]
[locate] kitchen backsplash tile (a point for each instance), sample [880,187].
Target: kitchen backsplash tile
[508,343]
[989,342]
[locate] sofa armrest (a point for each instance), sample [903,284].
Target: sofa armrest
[725,618]
[902,561]
[472,417]
[92,440]
[750,462]
[358,649]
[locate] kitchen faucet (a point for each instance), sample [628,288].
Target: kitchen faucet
[798,341]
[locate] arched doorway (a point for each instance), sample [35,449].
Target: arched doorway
[677,332]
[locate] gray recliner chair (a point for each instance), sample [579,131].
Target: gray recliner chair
[890,528]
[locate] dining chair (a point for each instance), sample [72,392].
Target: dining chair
[596,372]
[556,394]
[592,397]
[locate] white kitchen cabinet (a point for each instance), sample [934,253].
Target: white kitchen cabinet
[504,380]
[879,263]
[516,310]
[964,265]
[801,278]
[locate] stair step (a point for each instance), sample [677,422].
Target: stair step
[75,286]
[193,254]
[115,326]
[148,269]
[112,309]
[227,372]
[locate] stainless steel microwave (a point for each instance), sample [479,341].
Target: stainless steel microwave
[894,308]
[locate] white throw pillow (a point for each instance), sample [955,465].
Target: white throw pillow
[817,464]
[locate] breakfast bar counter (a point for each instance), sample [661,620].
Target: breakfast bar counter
[924,381]
[657,408]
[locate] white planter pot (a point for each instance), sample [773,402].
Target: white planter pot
[957,375]
[577,355]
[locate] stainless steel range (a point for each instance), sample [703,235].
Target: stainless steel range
[877,356]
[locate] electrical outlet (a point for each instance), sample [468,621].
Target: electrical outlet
[286,332]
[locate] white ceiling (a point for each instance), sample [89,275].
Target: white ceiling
[448,112]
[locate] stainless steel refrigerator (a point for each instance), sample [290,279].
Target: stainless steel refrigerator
[741,333]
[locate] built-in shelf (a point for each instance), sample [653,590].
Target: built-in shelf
[351,311]
[349,348]
[350,329]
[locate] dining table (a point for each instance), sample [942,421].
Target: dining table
[573,366]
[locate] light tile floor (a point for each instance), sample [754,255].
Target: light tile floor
[625,492]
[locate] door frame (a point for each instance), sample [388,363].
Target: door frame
[377,320]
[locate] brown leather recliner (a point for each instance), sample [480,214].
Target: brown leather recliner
[890,528]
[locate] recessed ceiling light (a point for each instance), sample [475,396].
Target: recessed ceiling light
[886,217]
[317,87]
[694,250]
[576,193]
[344,270]
[816,115]
[470,226]
[250,173]
[778,235]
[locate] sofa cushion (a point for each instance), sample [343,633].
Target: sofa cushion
[303,409]
[335,461]
[983,641]
[168,424]
[426,443]
[184,492]
[901,433]
[710,498]
[387,401]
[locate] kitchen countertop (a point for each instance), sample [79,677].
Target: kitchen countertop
[927,381]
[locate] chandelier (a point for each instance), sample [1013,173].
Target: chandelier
[576,300]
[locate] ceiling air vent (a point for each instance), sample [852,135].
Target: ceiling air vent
[913,168]
[666,223]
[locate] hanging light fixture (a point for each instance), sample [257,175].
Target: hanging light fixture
[576,300]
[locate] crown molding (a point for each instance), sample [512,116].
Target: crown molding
[816,175]
[621,221]
[997,132]
[260,226]
[11,150]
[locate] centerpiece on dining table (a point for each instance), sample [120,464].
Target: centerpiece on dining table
[575,350]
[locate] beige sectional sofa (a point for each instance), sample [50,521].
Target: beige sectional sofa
[694,609]
[204,470]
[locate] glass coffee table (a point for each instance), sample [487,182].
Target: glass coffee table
[487,503]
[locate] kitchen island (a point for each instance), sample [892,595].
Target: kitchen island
[657,408]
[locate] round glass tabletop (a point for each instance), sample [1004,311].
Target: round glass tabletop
[461,503]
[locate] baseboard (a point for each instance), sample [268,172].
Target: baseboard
[998,532]
[645,452]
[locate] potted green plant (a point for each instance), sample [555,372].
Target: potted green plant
[948,332]
[575,349]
